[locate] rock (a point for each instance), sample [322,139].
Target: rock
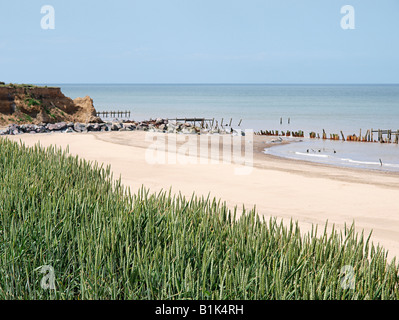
[26,128]
[69,130]
[40,129]
[79,127]
[93,127]
[128,127]
[108,127]
[116,126]
[57,126]
[85,110]
[188,131]
[142,126]
[13,129]
[238,132]
[171,128]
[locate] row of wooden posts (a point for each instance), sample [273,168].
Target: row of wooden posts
[391,136]
[113,114]
[299,134]
[206,123]
[212,123]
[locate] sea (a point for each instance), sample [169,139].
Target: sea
[309,108]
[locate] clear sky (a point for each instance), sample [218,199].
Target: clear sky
[199,41]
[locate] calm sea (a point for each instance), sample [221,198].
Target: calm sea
[307,107]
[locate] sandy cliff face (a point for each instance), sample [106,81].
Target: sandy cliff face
[42,104]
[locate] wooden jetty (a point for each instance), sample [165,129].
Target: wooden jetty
[389,133]
[113,114]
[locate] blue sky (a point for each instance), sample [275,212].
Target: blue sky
[199,41]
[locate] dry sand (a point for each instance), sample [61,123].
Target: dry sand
[307,192]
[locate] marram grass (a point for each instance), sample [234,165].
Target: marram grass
[105,243]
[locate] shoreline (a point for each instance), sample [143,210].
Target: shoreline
[286,189]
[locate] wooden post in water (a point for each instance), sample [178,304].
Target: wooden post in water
[397,137]
[343,137]
[231,119]
[239,122]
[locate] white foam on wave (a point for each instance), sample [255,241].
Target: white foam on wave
[311,155]
[393,165]
[370,161]
[361,162]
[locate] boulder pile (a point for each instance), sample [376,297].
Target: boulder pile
[158,125]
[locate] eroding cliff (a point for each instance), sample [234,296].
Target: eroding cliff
[31,104]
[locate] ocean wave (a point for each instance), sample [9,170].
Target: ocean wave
[312,155]
[361,162]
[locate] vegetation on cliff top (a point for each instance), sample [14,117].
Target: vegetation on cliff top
[21,85]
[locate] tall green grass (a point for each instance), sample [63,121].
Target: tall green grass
[105,243]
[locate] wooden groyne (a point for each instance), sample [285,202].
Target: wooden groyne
[206,123]
[383,136]
[288,133]
[371,135]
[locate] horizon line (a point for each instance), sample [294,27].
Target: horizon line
[209,83]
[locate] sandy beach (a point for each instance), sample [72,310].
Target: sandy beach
[307,192]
